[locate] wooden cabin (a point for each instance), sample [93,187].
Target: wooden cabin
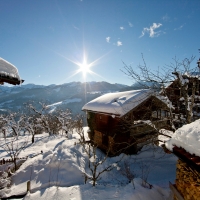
[125,121]
[185,145]
[9,73]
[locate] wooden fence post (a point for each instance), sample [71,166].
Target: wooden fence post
[29,186]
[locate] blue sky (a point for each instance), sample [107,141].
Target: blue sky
[46,39]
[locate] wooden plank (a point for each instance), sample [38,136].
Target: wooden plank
[175,191]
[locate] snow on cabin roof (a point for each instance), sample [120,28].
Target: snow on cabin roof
[118,103]
[187,137]
[9,69]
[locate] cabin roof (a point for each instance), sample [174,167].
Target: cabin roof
[187,137]
[9,73]
[8,68]
[119,103]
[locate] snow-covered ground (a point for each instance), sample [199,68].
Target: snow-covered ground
[55,173]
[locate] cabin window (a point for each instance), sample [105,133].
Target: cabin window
[104,139]
[100,117]
[159,114]
[154,114]
[88,115]
[163,114]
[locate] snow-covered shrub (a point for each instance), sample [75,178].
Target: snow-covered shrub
[5,181]
[128,172]
[96,163]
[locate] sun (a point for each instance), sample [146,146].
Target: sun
[84,67]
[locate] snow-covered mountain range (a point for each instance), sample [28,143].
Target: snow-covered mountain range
[69,95]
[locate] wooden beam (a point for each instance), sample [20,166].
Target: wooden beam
[175,191]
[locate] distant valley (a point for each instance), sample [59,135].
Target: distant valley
[70,95]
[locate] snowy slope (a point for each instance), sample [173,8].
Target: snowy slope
[55,174]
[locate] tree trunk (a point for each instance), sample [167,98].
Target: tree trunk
[192,98]
[33,139]
[15,163]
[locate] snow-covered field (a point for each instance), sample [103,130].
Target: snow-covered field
[55,173]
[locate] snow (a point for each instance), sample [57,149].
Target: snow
[95,92]
[182,80]
[56,174]
[31,86]
[6,102]
[53,106]
[29,96]
[65,102]
[187,137]
[119,103]
[86,192]
[9,69]
[57,89]
[165,135]
[73,84]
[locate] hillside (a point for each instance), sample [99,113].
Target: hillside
[70,95]
[57,173]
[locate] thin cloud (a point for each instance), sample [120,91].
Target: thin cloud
[119,43]
[108,39]
[151,30]
[121,27]
[130,24]
[166,18]
[179,28]
[76,28]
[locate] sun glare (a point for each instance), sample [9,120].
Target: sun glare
[84,68]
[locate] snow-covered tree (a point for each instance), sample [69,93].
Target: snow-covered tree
[52,123]
[34,126]
[13,149]
[15,123]
[40,115]
[65,120]
[96,160]
[186,77]
[188,80]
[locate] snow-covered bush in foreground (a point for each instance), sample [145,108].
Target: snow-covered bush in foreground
[4,180]
[96,163]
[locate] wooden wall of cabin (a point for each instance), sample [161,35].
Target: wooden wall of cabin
[187,181]
[108,132]
[145,110]
[114,144]
[102,123]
